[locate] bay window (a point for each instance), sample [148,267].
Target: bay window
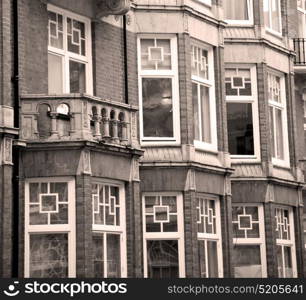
[209,236]
[238,11]
[203,97]
[109,234]
[242,113]
[285,243]
[158,89]
[278,119]
[50,228]
[163,235]
[69,52]
[272,15]
[249,256]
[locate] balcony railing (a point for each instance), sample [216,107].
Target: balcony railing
[300,50]
[78,117]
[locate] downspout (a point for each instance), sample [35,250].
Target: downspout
[126,83]
[16,151]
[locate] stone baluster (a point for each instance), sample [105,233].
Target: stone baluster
[115,123]
[105,121]
[54,132]
[97,120]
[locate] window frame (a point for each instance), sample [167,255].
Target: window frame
[269,28]
[110,229]
[69,229]
[210,84]
[178,235]
[283,107]
[67,55]
[205,2]
[250,21]
[173,75]
[253,99]
[217,237]
[288,243]
[260,241]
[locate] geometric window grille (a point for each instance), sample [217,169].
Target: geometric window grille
[55,30]
[48,203]
[274,87]
[206,216]
[238,82]
[282,223]
[161,213]
[199,62]
[76,36]
[245,221]
[106,205]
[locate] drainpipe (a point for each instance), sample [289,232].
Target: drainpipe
[125,61]
[16,151]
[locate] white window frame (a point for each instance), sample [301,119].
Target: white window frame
[216,237]
[268,27]
[250,21]
[109,229]
[255,115]
[173,75]
[179,235]
[209,83]
[281,106]
[68,229]
[261,241]
[289,243]
[67,55]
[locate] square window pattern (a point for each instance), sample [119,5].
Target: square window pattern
[238,82]
[282,224]
[48,203]
[199,62]
[206,216]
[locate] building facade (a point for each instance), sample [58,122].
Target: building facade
[152,138]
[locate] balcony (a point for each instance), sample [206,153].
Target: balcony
[78,117]
[300,50]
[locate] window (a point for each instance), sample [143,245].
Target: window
[69,52]
[242,113]
[272,14]
[49,228]
[301,4]
[238,11]
[278,120]
[286,260]
[249,255]
[203,97]
[163,235]
[209,237]
[109,234]
[207,2]
[158,89]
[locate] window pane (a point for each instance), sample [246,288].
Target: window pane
[205,114]
[157,107]
[55,30]
[98,255]
[238,82]
[196,117]
[279,134]
[280,265]
[77,77]
[55,74]
[236,9]
[212,257]
[76,36]
[49,255]
[266,9]
[272,130]
[288,262]
[275,15]
[113,256]
[202,259]
[240,128]
[247,261]
[162,258]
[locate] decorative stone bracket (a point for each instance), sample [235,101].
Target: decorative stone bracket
[112,7]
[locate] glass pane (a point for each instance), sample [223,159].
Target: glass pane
[212,258]
[170,226]
[288,262]
[240,128]
[49,255]
[55,30]
[162,258]
[196,117]
[272,130]
[157,107]
[280,265]
[275,15]
[205,114]
[247,261]
[171,202]
[266,8]
[76,36]
[279,134]
[236,9]
[113,256]
[77,77]
[55,74]
[202,259]
[98,255]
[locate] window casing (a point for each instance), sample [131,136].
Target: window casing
[238,12]
[242,113]
[203,95]
[249,254]
[163,235]
[278,119]
[272,16]
[50,228]
[69,52]
[285,243]
[158,89]
[209,236]
[109,231]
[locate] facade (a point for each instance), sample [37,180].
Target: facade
[152,138]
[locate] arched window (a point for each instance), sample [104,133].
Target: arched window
[44,121]
[63,119]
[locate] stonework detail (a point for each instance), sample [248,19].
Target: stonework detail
[112,7]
